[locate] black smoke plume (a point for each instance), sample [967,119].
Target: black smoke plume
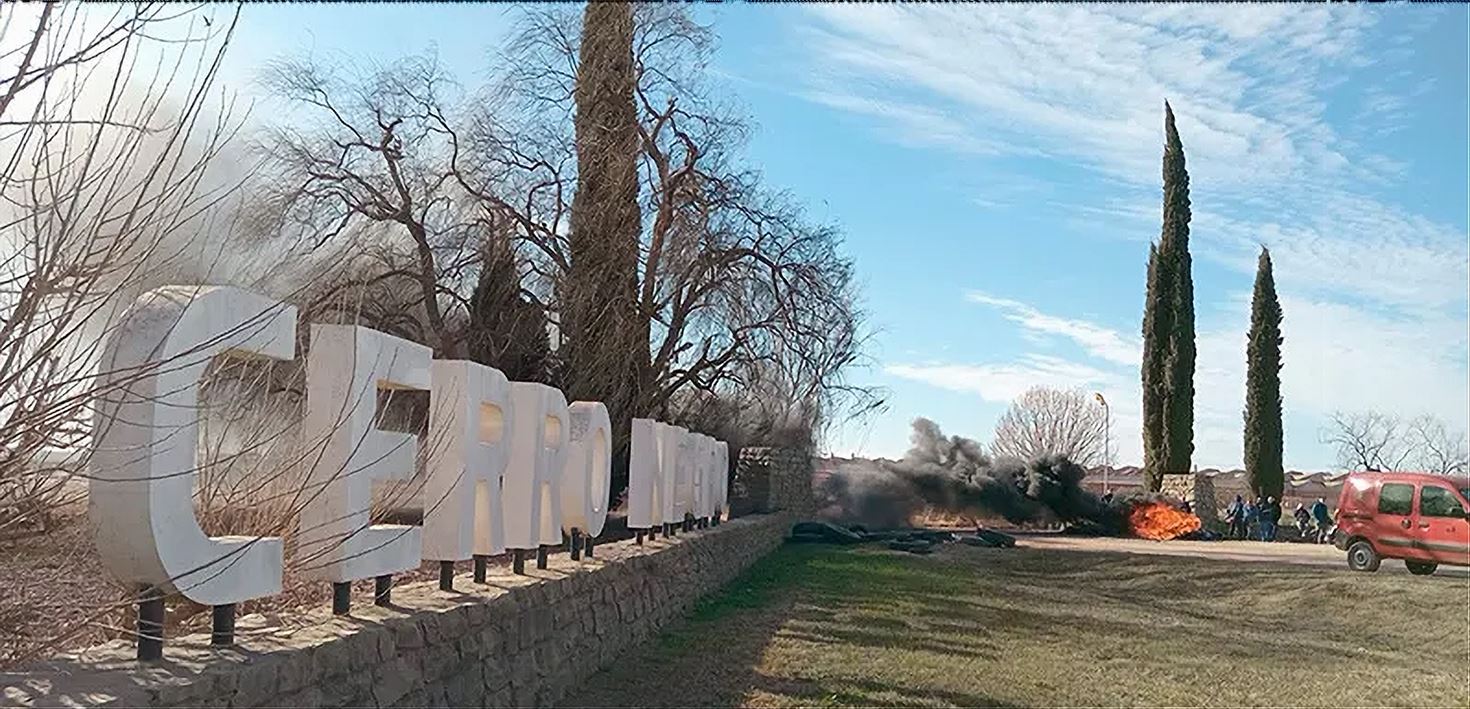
[954,474]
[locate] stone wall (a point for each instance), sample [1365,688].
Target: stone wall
[772,479]
[517,641]
[1198,490]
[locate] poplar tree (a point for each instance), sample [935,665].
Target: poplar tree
[1263,386]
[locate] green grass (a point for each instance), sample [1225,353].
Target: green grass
[829,626]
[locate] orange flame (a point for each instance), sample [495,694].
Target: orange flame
[1160,521]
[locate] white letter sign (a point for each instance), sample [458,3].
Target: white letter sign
[145,456]
[721,480]
[509,465]
[538,453]
[345,369]
[700,480]
[589,469]
[671,457]
[645,476]
[468,448]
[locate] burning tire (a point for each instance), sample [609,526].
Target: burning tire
[1421,568]
[1362,557]
[1160,521]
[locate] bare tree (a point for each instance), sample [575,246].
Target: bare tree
[1367,440]
[121,177]
[105,192]
[362,170]
[737,292]
[1436,448]
[1045,421]
[113,184]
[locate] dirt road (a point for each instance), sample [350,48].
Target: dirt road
[1282,553]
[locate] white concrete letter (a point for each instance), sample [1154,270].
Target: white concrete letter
[469,442]
[712,476]
[645,476]
[538,453]
[672,459]
[345,369]
[684,475]
[698,488]
[589,469]
[145,452]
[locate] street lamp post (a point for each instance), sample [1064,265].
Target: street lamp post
[1107,438]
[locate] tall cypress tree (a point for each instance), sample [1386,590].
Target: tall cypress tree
[1169,356]
[1174,246]
[605,350]
[1263,386]
[1155,337]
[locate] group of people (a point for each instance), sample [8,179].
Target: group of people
[1260,518]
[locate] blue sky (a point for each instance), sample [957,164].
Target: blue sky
[996,171]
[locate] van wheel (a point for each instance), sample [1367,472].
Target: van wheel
[1421,568]
[1361,556]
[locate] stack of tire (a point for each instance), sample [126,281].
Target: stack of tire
[989,538]
[823,533]
[913,541]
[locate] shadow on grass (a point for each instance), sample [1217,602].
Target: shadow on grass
[866,693]
[824,626]
[715,657]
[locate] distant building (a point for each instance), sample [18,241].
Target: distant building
[1300,487]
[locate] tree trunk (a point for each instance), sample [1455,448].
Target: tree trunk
[606,345]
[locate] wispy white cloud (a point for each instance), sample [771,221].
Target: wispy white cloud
[1010,190]
[1002,382]
[1088,80]
[1354,247]
[1103,343]
[1084,84]
[913,125]
[1386,110]
[1340,357]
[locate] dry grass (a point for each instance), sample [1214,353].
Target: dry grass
[833,626]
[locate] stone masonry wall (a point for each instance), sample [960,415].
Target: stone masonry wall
[517,641]
[772,479]
[1197,490]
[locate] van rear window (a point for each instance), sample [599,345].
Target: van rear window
[1396,499]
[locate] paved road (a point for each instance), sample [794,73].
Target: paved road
[1282,553]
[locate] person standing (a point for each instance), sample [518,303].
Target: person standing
[1235,517]
[1270,520]
[1253,518]
[1303,522]
[1324,521]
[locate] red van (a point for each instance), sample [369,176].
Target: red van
[1418,517]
